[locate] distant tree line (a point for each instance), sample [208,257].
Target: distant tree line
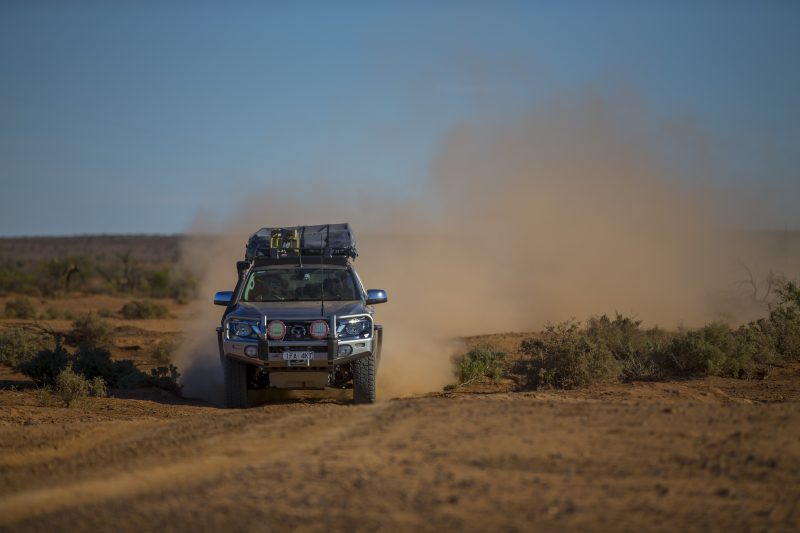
[118,274]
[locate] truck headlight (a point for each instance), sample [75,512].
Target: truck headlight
[243,329]
[354,327]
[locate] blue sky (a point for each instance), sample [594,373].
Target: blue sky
[129,117]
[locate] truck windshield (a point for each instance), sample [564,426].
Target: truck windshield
[299,284]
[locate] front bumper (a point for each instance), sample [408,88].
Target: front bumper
[326,353]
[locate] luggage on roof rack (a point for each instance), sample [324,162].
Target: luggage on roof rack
[326,240]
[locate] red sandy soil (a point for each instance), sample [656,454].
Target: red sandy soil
[705,454]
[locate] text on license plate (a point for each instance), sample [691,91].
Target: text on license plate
[298,356]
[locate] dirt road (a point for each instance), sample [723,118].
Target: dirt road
[698,455]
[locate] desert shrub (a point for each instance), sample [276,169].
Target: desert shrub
[64,274]
[718,350]
[703,352]
[164,350]
[566,357]
[98,387]
[479,364]
[45,366]
[44,397]
[20,307]
[18,344]
[158,283]
[51,313]
[754,349]
[180,286]
[95,362]
[635,348]
[162,377]
[70,386]
[183,288]
[166,377]
[90,331]
[16,280]
[784,321]
[607,349]
[143,309]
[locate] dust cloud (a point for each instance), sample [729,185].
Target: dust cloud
[571,210]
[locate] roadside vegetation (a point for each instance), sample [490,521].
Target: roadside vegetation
[118,274]
[572,354]
[480,365]
[138,309]
[164,351]
[78,363]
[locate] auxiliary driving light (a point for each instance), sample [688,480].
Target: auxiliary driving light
[251,351]
[276,330]
[345,350]
[319,329]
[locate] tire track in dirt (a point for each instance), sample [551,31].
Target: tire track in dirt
[74,444]
[254,444]
[146,444]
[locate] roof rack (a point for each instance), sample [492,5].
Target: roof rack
[326,242]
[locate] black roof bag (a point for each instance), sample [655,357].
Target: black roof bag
[328,240]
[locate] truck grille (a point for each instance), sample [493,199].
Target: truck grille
[298,330]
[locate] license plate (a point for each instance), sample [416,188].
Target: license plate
[298,356]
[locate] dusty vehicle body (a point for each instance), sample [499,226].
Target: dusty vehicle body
[299,317]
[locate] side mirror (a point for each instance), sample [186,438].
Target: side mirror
[376,296]
[223,298]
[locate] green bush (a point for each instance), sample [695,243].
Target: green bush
[90,331]
[15,280]
[143,309]
[44,396]
[754,350]
[164,350]
[18,344]
[45,366]
[166,377]
[95,362]
[64,274]
[479,364]
[704,352]
[70,386]
[20,307]
[51,314]
[718,350]
[181,286]
[566,357]
[784,321]
[636,349]
[98,387]
[162,377]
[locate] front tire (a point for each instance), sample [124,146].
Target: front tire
[235,384]
[364,370]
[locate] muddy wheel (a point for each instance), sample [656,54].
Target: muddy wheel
[364,370]
[235,384]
